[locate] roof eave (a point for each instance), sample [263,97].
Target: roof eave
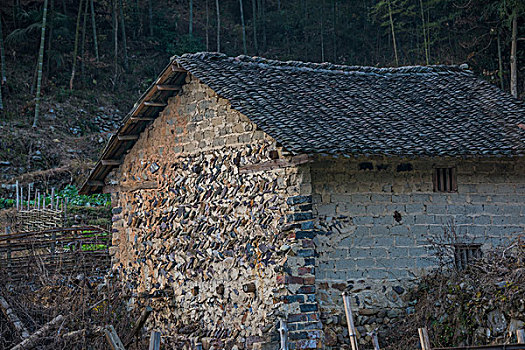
[143,113]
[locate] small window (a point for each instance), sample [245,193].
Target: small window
[465,254]
[445,180]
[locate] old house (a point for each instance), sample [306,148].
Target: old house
[246,189]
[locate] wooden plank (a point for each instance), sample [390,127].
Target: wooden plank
[35,337]
[275,164]
[111,162]
[154,341]
[175,68]
[154,104]
[423,338]
[350,321]
[168,87]
[113,339]
[128,137]
[142,119]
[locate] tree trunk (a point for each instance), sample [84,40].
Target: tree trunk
[49,40]
[305,29]
[500,63]
[207,27]
[2,63]
[393,32]
[513,58]
[322,30]
[243,28]
[75,49]
[115,43]
[94,25]
[2,55]
[123,32]
[40,63]
[263,21]
[83,45]
[254,20]
[334,29]
[190,29]
[425,43]
[150,13]
[218,26]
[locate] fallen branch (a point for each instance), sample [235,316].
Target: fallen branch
[13,318]
[33,338]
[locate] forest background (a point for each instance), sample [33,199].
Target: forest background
[71,68]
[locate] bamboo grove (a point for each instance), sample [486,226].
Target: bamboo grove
[90,44]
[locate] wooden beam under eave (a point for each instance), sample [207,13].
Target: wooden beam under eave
[127,137]
[110,162]
[161,87]
[142,119]
[154,104]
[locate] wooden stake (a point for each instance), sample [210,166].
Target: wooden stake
[350,321]
[375,341]
[138,325]
[52,196]
[283,331]
[21,198]
[520,334]
[17,196]
[423,338]
[35,337]
[28,197]
[113,339]
[154,341]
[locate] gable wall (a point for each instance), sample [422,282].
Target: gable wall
[365,247]
[193,227]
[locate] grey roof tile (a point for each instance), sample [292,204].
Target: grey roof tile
[332,109]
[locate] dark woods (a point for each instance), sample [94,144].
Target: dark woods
[97,43]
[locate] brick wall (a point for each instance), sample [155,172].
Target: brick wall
[215,244]
[363,247]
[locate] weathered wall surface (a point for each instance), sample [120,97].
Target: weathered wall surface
[198,224]
[362,248]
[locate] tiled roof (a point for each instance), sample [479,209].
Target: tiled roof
[408,111]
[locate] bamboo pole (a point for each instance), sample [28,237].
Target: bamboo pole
[350,321]
[40,64]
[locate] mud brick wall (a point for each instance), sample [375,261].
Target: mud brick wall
[362,248]
[208,238]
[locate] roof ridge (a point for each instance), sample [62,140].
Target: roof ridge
[326,66]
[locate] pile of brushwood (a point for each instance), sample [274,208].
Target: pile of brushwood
[481,304]
[66,312]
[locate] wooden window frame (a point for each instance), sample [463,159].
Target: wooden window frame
[465,254]
[445,180]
